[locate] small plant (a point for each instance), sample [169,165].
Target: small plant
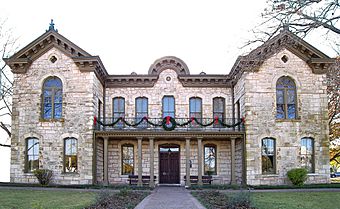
[44,176]
[240,200]
[297,176]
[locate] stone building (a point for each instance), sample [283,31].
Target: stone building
[267,116]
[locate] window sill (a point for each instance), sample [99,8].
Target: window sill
[269,175]
[288,120]
[52,120]
[70,173]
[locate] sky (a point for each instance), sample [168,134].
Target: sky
[130,35]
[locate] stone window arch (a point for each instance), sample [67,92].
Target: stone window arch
[52,98]
[70,155]
[268,155]
[286,98]
[32,154]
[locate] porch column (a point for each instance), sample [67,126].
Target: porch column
[187,161]
[199,143]
[140,172]
[232,143]
[106,142]
[152,182]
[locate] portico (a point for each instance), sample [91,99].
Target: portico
[170,156]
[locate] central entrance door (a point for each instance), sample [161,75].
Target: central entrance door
[169,164]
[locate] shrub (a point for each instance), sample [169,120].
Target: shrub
[44,176]
[240,200]
[297,176]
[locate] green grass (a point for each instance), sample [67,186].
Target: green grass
[296,200]
[27,199]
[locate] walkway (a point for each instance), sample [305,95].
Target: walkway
[170,198]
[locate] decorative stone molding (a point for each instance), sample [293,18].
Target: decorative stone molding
[169,62]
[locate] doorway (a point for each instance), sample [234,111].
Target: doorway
[169,157]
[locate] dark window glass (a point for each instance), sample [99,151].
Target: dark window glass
[219,109]
[195,106]
[307,154]
[168,106]
[268,156]
[118,110]
[52,98]
[285,98]
[210,160]
[32,150]
[70,155]
[141,110]
[127,159]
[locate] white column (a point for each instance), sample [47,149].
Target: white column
[232,143]
[140,172]
[187,161]
[106,179]
[199,147]
[152,182]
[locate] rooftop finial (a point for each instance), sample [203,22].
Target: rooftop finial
[51,27]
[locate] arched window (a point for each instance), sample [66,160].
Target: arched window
[118,109]
[286,98]
[70,155]
[219,109]
[127,159]
[141,110]
[268,156]
[307,154]
[168,106]
[32,154]
[52,98]
[210,159]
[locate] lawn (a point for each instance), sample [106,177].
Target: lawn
[296,200]
[13,198]
[269,200]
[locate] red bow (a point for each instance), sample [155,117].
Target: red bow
[216,120]
[95,120]
[167,120]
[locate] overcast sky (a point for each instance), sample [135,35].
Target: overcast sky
[130,35]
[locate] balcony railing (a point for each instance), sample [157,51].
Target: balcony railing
[169,124]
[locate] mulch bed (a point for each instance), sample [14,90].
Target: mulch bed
[122,200]
[218,200]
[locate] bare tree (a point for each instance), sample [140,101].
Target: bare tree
[303,17]
[8,46]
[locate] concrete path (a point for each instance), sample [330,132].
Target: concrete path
[170,198]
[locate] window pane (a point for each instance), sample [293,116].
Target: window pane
[32,154]
[127,160]
[291,111]
[53,82]
[70,163]
[307,154]
[209,160]
[268,155]
[280,111]
[279,97]
[168,106]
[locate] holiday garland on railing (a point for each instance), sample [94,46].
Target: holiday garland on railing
[169,123]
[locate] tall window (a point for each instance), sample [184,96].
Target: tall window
[285,98]
[210,160]
[218,109]
[168,106]
[52,98]
[127,159]
[70,155]
[268,156]
[195,106]
[32,151]
[307,154]
[141,110]
[118,110]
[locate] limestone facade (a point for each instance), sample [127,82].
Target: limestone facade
[87,105]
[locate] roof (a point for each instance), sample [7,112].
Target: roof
[21,61]
[318,61]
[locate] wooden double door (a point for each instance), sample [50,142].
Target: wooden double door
[169,158]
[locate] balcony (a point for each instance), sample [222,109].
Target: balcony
[169,124]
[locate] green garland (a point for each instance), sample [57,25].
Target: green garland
[169,121]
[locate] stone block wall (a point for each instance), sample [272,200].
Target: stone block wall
[78,110]
[168,88]
[260,110]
